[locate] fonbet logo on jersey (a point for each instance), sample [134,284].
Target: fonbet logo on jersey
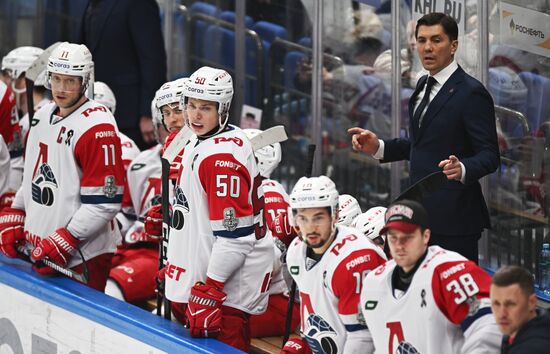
[43,186]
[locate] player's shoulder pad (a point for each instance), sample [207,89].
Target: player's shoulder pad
[92,109]
[234,140]
[437,255]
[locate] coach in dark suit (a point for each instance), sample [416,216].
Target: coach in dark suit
[452,127]
[127,47]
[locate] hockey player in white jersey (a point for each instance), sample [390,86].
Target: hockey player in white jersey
[219,260]
[426,299]
[328,263]
[348,210]
[276,202]
[73,176]
[135,263]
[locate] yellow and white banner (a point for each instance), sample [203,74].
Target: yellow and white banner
[525,29]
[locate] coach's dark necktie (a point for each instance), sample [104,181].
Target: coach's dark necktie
[417,117]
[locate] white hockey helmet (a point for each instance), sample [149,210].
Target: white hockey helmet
[371,222]
[104,95]
[211,84]
[268,157]
[315,192]
[348,210]
[70,59]
[19,60]
[41,79]
[170,93]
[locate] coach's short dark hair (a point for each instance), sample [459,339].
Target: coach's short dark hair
[437,18]
[510,275]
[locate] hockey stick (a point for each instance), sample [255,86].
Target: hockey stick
[177,145]
[68,272]
[37,66]
[269,136]
[292,293]
[424,187]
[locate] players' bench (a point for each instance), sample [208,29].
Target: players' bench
[266,345]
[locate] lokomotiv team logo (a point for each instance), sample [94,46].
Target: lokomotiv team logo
[181,206]
[320,336]
[43,186]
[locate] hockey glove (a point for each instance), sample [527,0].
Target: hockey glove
[6,199]
[11,231]
[58,247]
[204,316]
[136,233]
[296,345]
[153,221]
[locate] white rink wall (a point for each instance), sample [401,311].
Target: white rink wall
[57,315]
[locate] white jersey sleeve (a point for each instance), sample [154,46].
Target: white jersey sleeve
[4,166]
[129,149]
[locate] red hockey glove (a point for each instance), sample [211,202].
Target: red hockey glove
[204,316]
[136,233]
[281,229]
[6,199]
[296,345]
[11,231]
[153,221]
[58,247]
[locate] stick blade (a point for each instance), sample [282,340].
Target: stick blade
[179,142]
[276,134]
[40,63]
[424,187]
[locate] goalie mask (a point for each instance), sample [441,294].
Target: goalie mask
[348,210]
[315,192]
[214,85]
[70,59]
[268,157]
[104,95]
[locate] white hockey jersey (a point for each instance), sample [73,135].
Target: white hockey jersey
[217,223]
[446,301]
[4,166]
[276,201]
[330,288]
[11,132]
[144,180]
[73,178]
[129,149]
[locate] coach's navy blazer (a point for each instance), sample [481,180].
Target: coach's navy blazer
[460,121]
[127,47]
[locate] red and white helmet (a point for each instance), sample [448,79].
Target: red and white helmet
[70,59]
[104,95]
[371,222]
[17,61]
[268,157]
[348,210]
[315,192]
[214,85]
